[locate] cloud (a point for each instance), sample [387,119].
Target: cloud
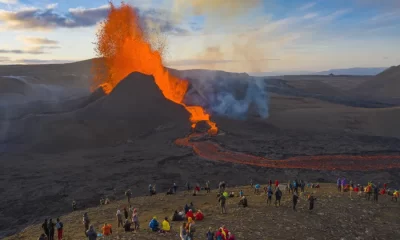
[42,61]
[307,6]
[310,15]
[42,19]
[47,18]
[9,1]
[42,41]
[4,59]
[18,51]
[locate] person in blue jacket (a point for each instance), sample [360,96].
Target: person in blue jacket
[154,225]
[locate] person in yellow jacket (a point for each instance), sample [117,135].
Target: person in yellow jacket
[166,227]
[395,195]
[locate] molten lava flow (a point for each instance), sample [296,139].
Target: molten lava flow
[123,46]
[212,151]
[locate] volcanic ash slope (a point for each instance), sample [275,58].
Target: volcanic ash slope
[136,107]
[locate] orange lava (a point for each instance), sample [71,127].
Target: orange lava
[122,43]
[215,152]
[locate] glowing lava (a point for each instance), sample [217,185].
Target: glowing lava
[212,151]
[122,43]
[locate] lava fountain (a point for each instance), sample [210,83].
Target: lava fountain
[123,49]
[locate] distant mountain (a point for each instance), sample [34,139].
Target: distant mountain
[344,71]
[272,74]
[353,71]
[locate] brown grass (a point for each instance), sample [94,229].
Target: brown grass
[335,216]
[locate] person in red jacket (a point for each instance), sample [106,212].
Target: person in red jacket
[276,183]
[189,214]
[226,231]
[220,234]
[199,215]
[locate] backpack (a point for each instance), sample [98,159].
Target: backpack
[59,225]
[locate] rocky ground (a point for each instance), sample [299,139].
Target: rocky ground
[336,216]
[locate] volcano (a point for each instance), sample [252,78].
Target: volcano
[134,108]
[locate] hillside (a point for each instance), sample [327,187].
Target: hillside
[384,85]
[336,216]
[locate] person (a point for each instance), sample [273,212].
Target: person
[210,234]
[101,201]
[45,228]
[295,186]
[170,191]
[154,190]
[154,225]
[91,233]
[166,227]
[251,182]
[225,230]
[270,182]
[276,184]
[106,229]
[43,237]
[222,186]
[150,190]
[86,221]
[186,208]
[107,201]
[190,228]
[189,214]
[220,234]
[74,205]
[135,219]
[50,228]
[222,201]
[126,214]
[187,186]
[385,185]
[302,186]
[208,189]
[127,225]
[368,190]
[119,218]
[278,196]
[343,183]
[191,206]
[199,216]
[177,217]
[295,201]
[175,188]
[232,194]
[183,232]
[257,188]
[128,194]
[339,184]
[311,199]
[231,236]
[269,194]
[59,227]
[395,195]
[351,183]
[376,193]
[241,194]
[290,186]
[243,202]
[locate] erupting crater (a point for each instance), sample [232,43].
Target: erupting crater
[123,47]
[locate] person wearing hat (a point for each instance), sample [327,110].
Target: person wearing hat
[154,225]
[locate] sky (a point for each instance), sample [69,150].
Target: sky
[232,35]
